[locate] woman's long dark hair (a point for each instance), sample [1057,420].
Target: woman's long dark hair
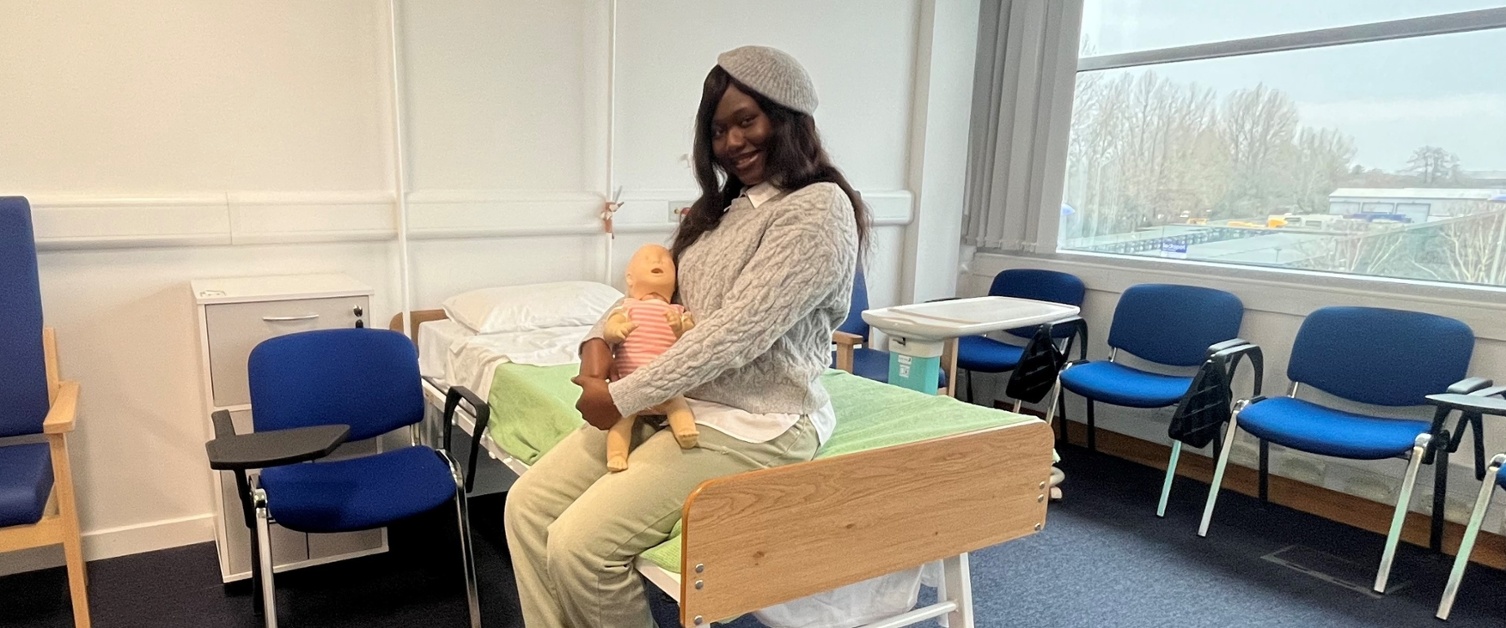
[793,155]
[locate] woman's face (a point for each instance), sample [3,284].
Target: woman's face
[739,130]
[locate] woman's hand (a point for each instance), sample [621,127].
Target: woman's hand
[595,404]
[596,360]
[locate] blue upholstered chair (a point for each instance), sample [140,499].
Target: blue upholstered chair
[981,354]
[311,391]
[1372,356]
[1473,408]
[33,401]
[852,338]
[1173,326]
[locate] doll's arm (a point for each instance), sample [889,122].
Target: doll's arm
[680,322]
[618,327]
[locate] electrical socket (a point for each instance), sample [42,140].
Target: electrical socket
[676,209]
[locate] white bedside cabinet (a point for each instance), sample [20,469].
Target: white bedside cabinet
[235,314]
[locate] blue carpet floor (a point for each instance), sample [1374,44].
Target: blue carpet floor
[1104,559]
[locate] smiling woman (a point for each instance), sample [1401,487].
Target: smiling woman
[745,137]
[765,261]
[738,132]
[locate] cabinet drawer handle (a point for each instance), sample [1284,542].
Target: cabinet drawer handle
[284,319]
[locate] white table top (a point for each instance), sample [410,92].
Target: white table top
[965,317]
[275,288]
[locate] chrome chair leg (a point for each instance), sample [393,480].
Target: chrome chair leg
[1056,391]
[1171,472]
[264,555]
[1218,471]
[472,597]
[1092,429]
[1440,491]
[468,559]
[1419,449]
[1461,560]
[1265,471]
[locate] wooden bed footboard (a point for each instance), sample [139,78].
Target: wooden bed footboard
[756,539]
[418,317]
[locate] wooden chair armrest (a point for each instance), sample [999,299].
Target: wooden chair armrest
[60,418]
[845,339]
[846,347]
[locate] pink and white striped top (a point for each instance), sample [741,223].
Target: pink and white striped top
[652,337]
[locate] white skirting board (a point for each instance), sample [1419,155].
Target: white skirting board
[114,542]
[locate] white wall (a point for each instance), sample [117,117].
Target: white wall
[1275,306]
[189,127]
[165,97]
[165,141]
[508,110]
[938,148]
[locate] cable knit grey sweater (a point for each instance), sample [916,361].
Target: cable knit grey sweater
[766,288]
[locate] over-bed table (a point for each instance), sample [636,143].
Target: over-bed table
[906,479]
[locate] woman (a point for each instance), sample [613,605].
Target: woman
[766,260]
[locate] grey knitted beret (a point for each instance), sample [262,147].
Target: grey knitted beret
[773,73]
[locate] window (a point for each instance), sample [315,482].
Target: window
[1344,136]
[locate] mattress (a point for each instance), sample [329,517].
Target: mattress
[457,356]
[533,408]
[434,341]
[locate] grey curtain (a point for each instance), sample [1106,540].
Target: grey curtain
[1022,109]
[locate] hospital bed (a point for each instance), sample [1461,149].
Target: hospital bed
[907,479]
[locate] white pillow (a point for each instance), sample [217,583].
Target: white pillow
[530,307]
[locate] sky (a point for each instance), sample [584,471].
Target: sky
[1391,97]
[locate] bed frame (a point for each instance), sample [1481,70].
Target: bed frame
[845,519]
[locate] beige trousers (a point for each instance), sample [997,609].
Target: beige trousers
[573,529]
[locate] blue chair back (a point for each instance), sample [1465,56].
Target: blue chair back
[855,324]
[365,378]
[1040,285]
[1173,324]
[1380,356]
[23,364]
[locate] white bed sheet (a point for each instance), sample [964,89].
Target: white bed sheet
[434,341]
[455,355]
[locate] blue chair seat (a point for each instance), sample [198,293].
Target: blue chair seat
[986,355]
[359,493]
[1121,385]
[1320,430]
[25,483]
[874,364]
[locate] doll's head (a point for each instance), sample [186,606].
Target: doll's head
[651,273]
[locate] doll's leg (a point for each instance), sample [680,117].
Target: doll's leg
[619,440]
[681,422]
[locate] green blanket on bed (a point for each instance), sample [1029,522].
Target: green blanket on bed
[534,407]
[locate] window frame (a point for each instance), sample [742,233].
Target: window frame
[1047,227]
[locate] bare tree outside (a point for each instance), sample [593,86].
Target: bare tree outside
[1155,164]
[1433,166]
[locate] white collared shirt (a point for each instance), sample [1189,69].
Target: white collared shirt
[759,428]
[761,193]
